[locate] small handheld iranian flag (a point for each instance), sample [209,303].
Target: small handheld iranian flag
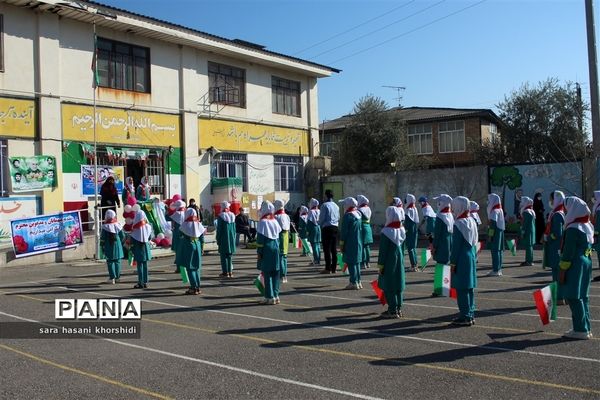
[340,261]
[259,282]
[378,292]
[345,269]
[130,259]
[306,246]
[442,281]
[545,302]
[512,246]
[184,275]
[425,257]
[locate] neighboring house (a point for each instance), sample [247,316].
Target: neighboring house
[175,104]
[446,136]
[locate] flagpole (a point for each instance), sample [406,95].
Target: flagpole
[97,212]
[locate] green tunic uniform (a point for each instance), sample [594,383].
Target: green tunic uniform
[112,245]
[442,242]
[189,255]
[351,243]
[411,240]
[528,236]
[226,243]
[367,240]
[284,245]
[141,255]
[268,249]
[576,260]
[392,282]
[314,237]
[496,244]
[596,233]
[464,277]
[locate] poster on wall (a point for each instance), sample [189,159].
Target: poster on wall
[15,207]
[511,182]
[32,173]
[104,171]
[46,233]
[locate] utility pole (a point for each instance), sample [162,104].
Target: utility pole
[398,89]
[593,70]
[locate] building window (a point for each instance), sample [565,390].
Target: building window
[232,165]
[328,143]
[227,85]
[123,66]
[493,130]
[285,96]
[419,139]
[1,43]
[288,174]
[452,136]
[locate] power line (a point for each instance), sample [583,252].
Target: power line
[409,32]
[355,27]
[378,30]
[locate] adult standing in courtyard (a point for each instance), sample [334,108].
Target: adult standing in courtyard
[328,221]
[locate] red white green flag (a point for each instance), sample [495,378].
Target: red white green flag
[545,302]
[184,275]
[259,282]
[378,292]
[512,246]
[442,281]
[425,257]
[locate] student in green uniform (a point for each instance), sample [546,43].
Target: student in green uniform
[367,232]
[474,211]
[177,219]
[351,241]
[314,230]
[284,237]
[390,263]
[428,217]
[596,219]
[112,240]
[267,242]
[226,239]
[463,261]
[553,236]
[411,226]
[128,190]
[527,229]
[189,253]
[139,240]
[444,225]
[576,266]
[303,228]
[495,233]
[143,190]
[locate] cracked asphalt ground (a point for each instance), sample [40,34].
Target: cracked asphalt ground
[321,342]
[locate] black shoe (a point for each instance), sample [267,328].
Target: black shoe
[462,322]
[138,286]
[434,294]
[145,286]
[597,279]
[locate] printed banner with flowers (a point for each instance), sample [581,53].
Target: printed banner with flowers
[46,233]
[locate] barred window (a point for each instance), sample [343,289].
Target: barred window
[232,165]
[227,85]
[288,174]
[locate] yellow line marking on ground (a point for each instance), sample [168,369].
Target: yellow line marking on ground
[87,374]
[376,358]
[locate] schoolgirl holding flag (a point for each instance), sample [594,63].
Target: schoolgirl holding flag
[527,229]
[284,236]
[474,211]
[390,263]
[576,266]
[553,236]
[112,240]
[303,228]
[442,235]
[189,253]
[139,238]
[411,226]
[495,233]
[367,232]
[177,217]
[428,217]
[314,230]
[463,261]
[351,241]
[226,239]
[267,249]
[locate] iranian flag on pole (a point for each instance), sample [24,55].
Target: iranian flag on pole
[512,246]
[425,257]
[545,302]
[442,281]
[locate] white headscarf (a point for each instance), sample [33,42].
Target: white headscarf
[411,208]
[282,218]
[226,215]
[142,230]
[304,213]
[363,206]
[350,204]
[110,222]
[495,214]
[129,184]
[268,226]
[314,212]
[397,202]
[191,225]
[474,208]
[444,201]
[576,209]
[179,212]
[144,183]
[558,204]
[393,229]
[527,202]
[464,223]
[596,200]
[427,210]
